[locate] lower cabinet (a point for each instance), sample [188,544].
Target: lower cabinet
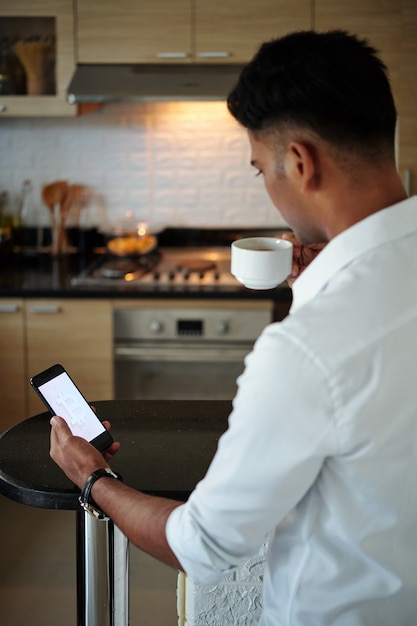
[35,334]
[75,333]
[13,379]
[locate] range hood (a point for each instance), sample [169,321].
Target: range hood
[141,83]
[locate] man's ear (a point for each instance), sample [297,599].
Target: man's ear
[304,164]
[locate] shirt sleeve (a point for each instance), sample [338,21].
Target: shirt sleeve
[280,431]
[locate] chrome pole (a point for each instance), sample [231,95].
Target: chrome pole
[97,588]
[120,578]
[102,573]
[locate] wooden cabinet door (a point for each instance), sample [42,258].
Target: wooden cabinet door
[380,22]
[129,31]
[391,27]
[27,11]
[155,31]
[77,334]
[13,379]
[406,96]
[233,30]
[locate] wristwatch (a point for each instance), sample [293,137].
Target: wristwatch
[85,498]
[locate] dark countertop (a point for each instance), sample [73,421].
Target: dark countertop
[40,276]
[166,448]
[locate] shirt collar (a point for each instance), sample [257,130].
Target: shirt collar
[386,225]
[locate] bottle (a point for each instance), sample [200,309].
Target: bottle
[28,217]
[27,207]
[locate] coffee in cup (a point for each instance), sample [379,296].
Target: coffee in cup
[261,262]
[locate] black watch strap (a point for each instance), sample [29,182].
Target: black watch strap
[85,498]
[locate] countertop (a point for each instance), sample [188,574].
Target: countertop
[166,448]
[41,276]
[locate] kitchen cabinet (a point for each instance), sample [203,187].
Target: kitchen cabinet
[391,27]
[237,28]
[76,333]
[130,32]
[35,334]
[53,19]
[13,379]
[158,31]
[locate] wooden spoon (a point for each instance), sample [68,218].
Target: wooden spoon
[73,200]
[53,196]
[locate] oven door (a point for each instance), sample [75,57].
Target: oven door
[149,370]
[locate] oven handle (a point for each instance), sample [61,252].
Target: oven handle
[190,353]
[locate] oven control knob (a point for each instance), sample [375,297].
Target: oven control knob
[222,327]
[156,326]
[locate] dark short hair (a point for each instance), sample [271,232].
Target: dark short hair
[331,82]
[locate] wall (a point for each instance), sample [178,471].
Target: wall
[178,164]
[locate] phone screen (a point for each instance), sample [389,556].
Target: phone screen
[66,401]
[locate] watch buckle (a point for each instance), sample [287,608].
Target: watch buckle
[95,513]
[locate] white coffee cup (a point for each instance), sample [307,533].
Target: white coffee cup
[261,262]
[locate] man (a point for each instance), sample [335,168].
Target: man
[321,450]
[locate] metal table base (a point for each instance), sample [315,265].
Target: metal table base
[166,448]
[102,573]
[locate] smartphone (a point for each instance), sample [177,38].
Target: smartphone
[62,397]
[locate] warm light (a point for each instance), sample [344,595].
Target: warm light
[212,256]
[129,277]
[142,229]
[189,111]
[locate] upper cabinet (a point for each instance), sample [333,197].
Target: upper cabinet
[391,27]
[129,31]
[36,57]
[233,30]
[380,22]
[159,31]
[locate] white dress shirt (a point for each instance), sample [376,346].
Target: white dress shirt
[321,450]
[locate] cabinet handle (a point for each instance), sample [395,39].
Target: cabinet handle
[214,55]
[172,55]
[44,308]
[9,308]
[2,108]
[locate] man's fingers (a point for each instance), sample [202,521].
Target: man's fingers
[59,426]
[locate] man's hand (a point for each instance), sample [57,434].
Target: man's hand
[141,517]
[74,455]
[303,254]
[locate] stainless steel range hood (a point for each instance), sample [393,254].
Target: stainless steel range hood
[141,83]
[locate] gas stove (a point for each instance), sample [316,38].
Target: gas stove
[165,269]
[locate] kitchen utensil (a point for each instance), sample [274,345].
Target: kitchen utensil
[132,245]
[53,196]
[73,201]
[35,56]
[61,199]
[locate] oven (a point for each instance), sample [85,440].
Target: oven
[184,350]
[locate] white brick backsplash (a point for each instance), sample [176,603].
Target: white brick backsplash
[180,164]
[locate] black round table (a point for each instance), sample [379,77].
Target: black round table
[166,448]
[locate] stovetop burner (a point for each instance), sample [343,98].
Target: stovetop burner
[113,267]
[165,269]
